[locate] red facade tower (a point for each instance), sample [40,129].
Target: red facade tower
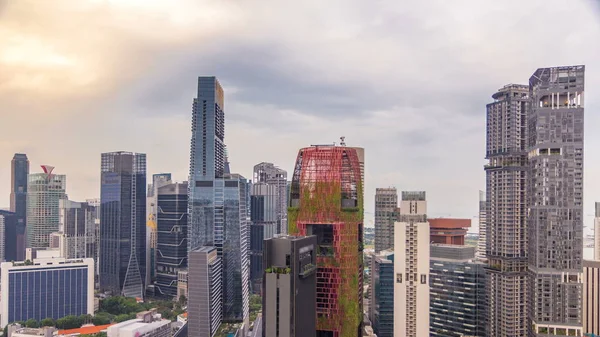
[326,200]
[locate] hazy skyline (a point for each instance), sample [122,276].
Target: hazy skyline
[407,81]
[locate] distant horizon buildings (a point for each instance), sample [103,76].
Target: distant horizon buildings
[44,193]
[411,267]
[123,223]
[555,200]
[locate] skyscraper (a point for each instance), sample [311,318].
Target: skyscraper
[77,223]
[326,200]
[555,200]
[158,180]
[172,222]
[268,173]
[506,235]
[265,223]
[18,199]
[411,266]
[482,240]
[386,214]
[44,192]
[218,202]
[123,223]
[457,284]
[289,287]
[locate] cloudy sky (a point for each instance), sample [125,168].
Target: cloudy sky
[407,80]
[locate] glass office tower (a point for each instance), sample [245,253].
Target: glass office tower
[123,223]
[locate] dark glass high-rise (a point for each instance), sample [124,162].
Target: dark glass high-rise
[123,223]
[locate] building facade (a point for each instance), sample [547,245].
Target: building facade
[482,222]
[123,223]
[506,234]
[326,200]
[555,200]
[171,246]
[264,203]
[382,294]
[591,297]
[44,192]
[289,287]
[457,286]
[411,267]
[268,173]
[205,291]
[146,324]
[386,214]
[448,231]
[46,288]
[18,199]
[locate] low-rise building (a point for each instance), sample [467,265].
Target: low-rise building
[16,330]
[146,324]
[45,288]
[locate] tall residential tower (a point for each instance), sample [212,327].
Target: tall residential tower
[123,223]
[506,234]
[555,200]
[411,267]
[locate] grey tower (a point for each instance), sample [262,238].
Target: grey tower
[386,213]
[123,223]
[506,235]
[555,200]
[268,173]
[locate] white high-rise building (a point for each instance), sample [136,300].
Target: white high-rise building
[411,267]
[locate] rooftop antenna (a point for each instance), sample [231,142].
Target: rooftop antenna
[342,141]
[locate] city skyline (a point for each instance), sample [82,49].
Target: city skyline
[297,96]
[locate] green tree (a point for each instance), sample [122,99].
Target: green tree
[122,318]
[32,323]
[86,318]
[69,322]
[102,318]
[182,301]
[48,322]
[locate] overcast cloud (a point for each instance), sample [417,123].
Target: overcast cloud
[406,80]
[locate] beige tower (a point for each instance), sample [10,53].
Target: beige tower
[411,267]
